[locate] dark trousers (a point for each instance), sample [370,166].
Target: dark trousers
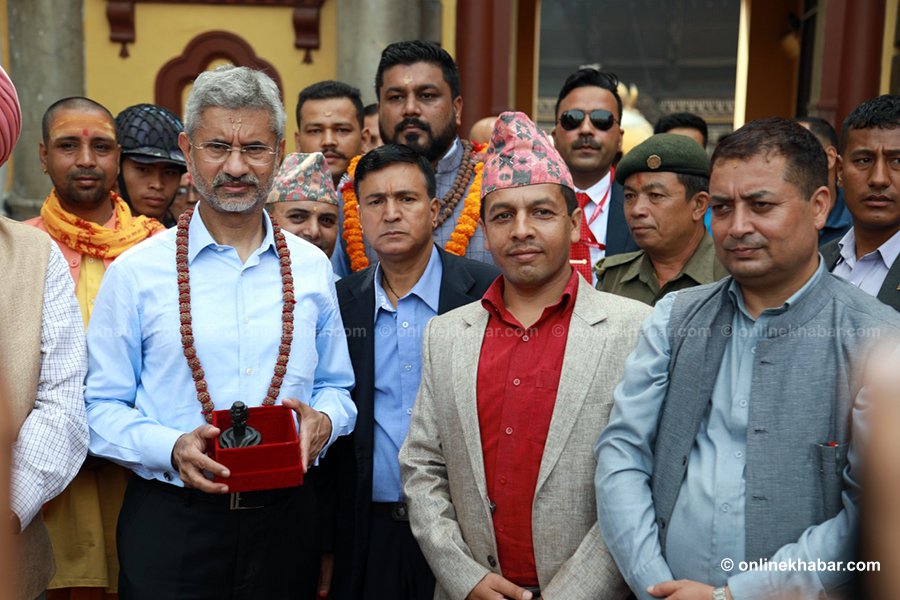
[395,567]
[187,545]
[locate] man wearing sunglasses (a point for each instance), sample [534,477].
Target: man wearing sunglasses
[588,136]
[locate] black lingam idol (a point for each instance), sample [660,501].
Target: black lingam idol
[239,435]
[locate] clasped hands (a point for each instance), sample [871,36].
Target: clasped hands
[190,459]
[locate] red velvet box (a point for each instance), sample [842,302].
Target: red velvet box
[274,463]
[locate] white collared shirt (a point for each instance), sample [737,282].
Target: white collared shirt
[868,272]
[599,226]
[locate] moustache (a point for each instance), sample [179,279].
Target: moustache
[415,123]
[86,173]
[751,241]
[225,179]
[523,249]
[586,142]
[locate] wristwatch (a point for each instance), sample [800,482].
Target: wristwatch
[719,594]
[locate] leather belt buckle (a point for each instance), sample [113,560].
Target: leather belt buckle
[235,502]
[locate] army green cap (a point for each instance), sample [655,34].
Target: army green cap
[664,153]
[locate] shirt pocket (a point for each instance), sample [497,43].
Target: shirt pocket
[547,379]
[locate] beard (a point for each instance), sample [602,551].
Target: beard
[227,203]
[430,145]
[69,192]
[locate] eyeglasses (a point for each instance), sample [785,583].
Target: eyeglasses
[218,152]
[600,118]
[184,190]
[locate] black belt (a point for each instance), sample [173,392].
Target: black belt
[235,501]
[395,510]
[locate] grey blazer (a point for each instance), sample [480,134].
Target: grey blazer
[443,466]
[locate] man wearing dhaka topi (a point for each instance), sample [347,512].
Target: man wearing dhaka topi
[497,466]
[222,308]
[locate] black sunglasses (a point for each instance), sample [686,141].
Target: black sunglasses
[600,118]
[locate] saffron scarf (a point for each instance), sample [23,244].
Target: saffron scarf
[90,239]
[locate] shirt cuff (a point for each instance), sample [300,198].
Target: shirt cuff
[156,454]
[341,421]
[654,572]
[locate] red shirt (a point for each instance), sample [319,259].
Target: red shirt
[518,376]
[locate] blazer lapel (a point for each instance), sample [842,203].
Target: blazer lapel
[891,286]
[581,362]
[618,236]
[360,314]
[456,283]
[464,354]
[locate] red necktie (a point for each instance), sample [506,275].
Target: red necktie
[580,252]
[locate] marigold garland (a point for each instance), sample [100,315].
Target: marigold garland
[459,237]
[468,219]
[356,249]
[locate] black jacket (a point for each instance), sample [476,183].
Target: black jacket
[890,289]
[618,236]
[350,459]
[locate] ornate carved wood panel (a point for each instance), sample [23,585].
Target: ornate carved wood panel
[181,71]
[120,14]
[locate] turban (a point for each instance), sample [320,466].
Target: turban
[10,116]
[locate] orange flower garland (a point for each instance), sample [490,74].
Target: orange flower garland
[468,219]
[356,249]
[459,237]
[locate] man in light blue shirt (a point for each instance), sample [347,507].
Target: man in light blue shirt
[217,289]
[386,308]
[726,470]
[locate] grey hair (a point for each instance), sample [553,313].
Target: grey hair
[233,87]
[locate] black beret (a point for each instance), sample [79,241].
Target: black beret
[664,153]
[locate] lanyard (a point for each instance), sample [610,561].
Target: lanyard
[591,239]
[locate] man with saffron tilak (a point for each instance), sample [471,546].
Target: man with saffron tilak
[92,225]
[223,308]
[420,106]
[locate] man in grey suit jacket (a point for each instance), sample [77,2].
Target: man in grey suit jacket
[497,466]
[726,469]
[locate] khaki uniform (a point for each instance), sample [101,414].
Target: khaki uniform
[632,275]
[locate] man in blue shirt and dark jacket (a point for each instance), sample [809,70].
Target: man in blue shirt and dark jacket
[385,309]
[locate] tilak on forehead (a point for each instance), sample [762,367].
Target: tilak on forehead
[83,126]
[236,124]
